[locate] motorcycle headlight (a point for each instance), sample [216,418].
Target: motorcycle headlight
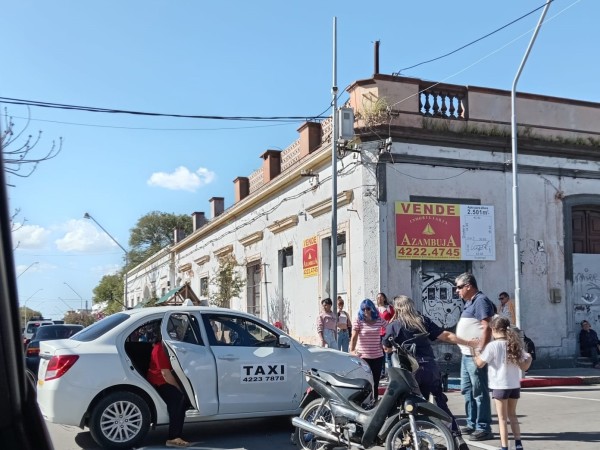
[359,362]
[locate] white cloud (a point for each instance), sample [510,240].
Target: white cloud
[30,236]
[182,179]
[108,269]
[81,236]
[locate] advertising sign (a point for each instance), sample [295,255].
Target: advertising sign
[310,262]
[440,231]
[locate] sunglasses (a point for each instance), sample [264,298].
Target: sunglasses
[460,286]
[366,308]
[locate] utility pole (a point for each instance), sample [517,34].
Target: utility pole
[334,144]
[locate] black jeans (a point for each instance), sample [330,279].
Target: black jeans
[430,383]
[176,405]
[376,365]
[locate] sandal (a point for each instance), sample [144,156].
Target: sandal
[178,442]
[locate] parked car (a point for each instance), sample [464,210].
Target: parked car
[231,365]
[46,333]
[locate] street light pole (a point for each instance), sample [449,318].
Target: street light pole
[80,297]
[25,306]
[515,170]
[89,216]
[28,267]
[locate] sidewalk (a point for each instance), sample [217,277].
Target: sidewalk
[566,376]
[569,376]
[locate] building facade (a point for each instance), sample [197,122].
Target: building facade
[424,193]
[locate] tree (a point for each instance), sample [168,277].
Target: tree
[110,290]
[153,232]
[20,155]
[227,281]
[79,318]
[27,313]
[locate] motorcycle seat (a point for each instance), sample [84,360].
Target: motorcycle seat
[341,382]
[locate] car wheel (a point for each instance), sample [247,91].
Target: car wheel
[120,420]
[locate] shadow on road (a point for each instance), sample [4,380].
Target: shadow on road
[246,434]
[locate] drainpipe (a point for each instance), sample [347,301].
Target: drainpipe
[515,191]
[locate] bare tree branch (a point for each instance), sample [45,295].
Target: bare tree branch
[20,158]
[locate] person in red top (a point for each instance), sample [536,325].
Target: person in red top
[160,376]
[386,311]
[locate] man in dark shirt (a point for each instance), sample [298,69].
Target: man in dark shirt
[588,343]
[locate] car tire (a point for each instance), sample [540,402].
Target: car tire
[120,420]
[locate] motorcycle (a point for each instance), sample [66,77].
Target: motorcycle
[402,419]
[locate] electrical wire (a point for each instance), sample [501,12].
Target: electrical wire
[158,129]
[472,42]
[40,104]
[484,57]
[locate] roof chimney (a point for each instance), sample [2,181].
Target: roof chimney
[271,164]
[178,235]
[198,220]
[241,186]
[310,138]
[217,206]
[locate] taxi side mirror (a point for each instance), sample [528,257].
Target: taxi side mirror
[284,341]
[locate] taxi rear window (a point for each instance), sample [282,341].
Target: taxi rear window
[95,330]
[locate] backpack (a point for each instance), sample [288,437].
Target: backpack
[529,346]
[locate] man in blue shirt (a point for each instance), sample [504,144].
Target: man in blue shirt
[474,324]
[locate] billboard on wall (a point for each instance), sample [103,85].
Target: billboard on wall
[310,262]
[441,231]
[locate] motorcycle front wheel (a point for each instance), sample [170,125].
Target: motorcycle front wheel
[432,435]
[318,415]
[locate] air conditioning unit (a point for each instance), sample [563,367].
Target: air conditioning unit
[346,123]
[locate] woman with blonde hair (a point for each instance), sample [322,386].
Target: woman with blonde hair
[506,359]
[408,323]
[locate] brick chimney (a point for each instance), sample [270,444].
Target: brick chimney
[310,138]
[241,186]
[198,220]
[217,206]
[178,235]
[271,164]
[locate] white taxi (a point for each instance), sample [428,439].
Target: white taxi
[231,364]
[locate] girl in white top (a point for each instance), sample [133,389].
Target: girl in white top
[505,358]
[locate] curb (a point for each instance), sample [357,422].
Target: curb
[558,381]
[534,382]
[545,382]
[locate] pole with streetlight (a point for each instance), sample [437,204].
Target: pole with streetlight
[515,169]
[28,267]
[89,216]
[25,306]
[80,297]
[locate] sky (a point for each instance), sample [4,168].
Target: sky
[225,58]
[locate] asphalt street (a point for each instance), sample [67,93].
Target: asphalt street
[561,417]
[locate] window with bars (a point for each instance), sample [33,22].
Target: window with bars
[253,275]
[204,287]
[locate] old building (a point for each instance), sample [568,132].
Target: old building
[424,193]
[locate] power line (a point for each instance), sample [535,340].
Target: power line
[40,104]
[472,42]
[157,129]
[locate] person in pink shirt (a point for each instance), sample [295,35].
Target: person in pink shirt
[366,340]
[327,325]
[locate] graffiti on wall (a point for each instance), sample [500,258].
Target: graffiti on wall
[586,288]
[440,300]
